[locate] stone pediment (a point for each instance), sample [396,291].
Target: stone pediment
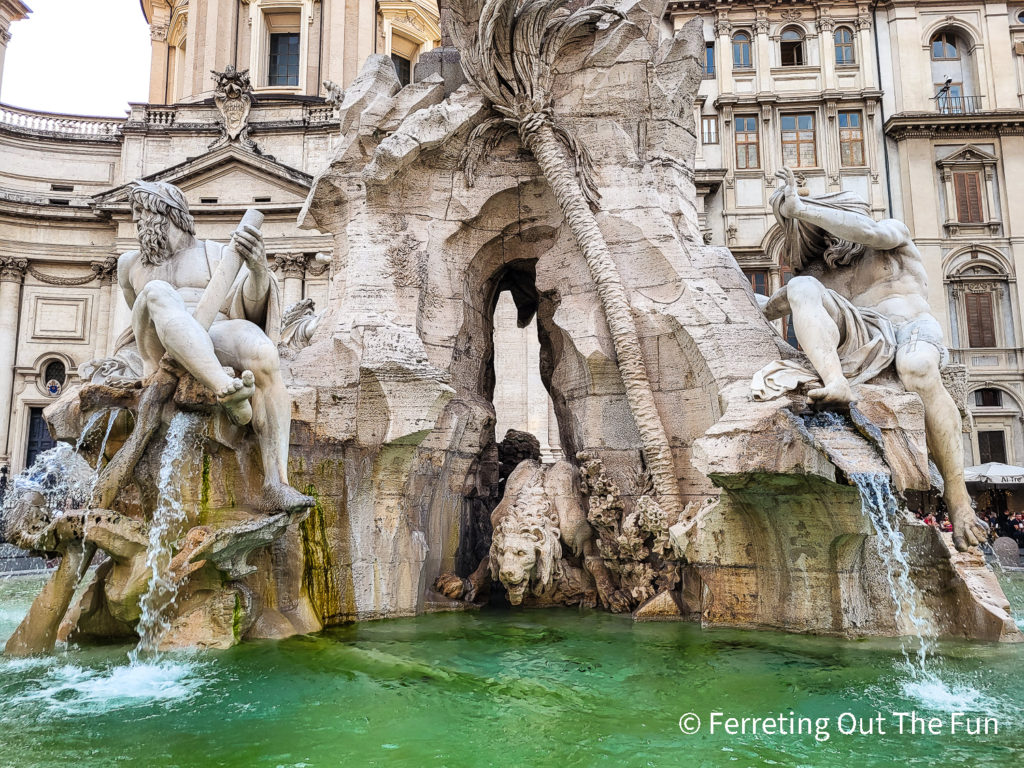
[227,178]
[969,154]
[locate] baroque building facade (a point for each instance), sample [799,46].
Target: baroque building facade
[918,107]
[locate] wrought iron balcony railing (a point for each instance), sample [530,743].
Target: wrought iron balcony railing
[958,105]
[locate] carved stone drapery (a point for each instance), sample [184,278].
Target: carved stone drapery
[60,280]
[233,97]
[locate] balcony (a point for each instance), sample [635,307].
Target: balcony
[958,105]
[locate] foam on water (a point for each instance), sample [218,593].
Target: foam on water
[74,689]
[936,694]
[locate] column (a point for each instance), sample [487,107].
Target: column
[5,38]
[106,271]
[292,267]
[763,52]
[723,50]
[865,50]
[159,88]
[826,26]
[12,272]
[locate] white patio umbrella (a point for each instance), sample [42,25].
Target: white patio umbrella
[994,473]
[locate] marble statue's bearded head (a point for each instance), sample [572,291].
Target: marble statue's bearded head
[156,207]
[525,548]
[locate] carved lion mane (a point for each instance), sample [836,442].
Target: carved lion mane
[526,549]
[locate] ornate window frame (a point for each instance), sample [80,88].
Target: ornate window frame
[970,158]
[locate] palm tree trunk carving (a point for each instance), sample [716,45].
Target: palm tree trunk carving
[510,57]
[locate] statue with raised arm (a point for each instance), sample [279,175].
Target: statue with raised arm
[859,303]
[164,283]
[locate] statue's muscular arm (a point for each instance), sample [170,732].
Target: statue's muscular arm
[125,262]
[879,235]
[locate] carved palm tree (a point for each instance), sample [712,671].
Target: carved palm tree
[510,58]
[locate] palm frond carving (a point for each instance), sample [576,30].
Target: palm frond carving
[509,54]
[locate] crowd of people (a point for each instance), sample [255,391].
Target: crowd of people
[1000,522]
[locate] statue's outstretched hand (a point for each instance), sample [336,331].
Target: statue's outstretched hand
[248,242]
[791,203]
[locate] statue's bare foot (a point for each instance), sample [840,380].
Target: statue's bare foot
[968,530]
[235,398]
[835,393]
[278,497]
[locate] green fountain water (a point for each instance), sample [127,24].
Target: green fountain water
[497,688]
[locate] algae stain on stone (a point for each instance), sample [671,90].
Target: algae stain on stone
[317,560]
[204,489]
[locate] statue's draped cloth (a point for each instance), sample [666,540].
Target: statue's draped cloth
[867,346]
[867,339]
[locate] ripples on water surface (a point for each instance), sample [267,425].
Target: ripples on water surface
[525,688]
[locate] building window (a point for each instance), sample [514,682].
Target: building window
[709,129]
[992,446]
[284,59]
[798,141]
[967,188]
[741,51]
[747,155]
[945,46]
[844,46]
[403,67]
[55,375]
[949,98]
[851,139]
[981,327]
[758,280]
[791,48]
[709,61]
[988,398]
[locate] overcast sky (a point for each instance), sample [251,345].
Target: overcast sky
[82,57]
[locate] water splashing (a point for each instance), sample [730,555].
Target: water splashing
[880,504]
[180,450]
[922,683]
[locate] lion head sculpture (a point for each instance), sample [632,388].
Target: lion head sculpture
[526,550]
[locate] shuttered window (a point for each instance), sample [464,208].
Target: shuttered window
[967,187]
[992,446]
[981,329]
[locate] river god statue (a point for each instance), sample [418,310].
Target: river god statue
[859,303]
[195,301]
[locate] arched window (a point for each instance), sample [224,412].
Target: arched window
[945,46]
[844,46]
[741,51]
[54,376]
[791,48]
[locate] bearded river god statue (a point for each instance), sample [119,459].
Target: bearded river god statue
[168,283]
[859,302]
[205,319]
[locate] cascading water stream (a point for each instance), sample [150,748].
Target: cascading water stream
[882,507]
[179,451]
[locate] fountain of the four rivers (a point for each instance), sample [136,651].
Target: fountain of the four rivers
[243,487]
